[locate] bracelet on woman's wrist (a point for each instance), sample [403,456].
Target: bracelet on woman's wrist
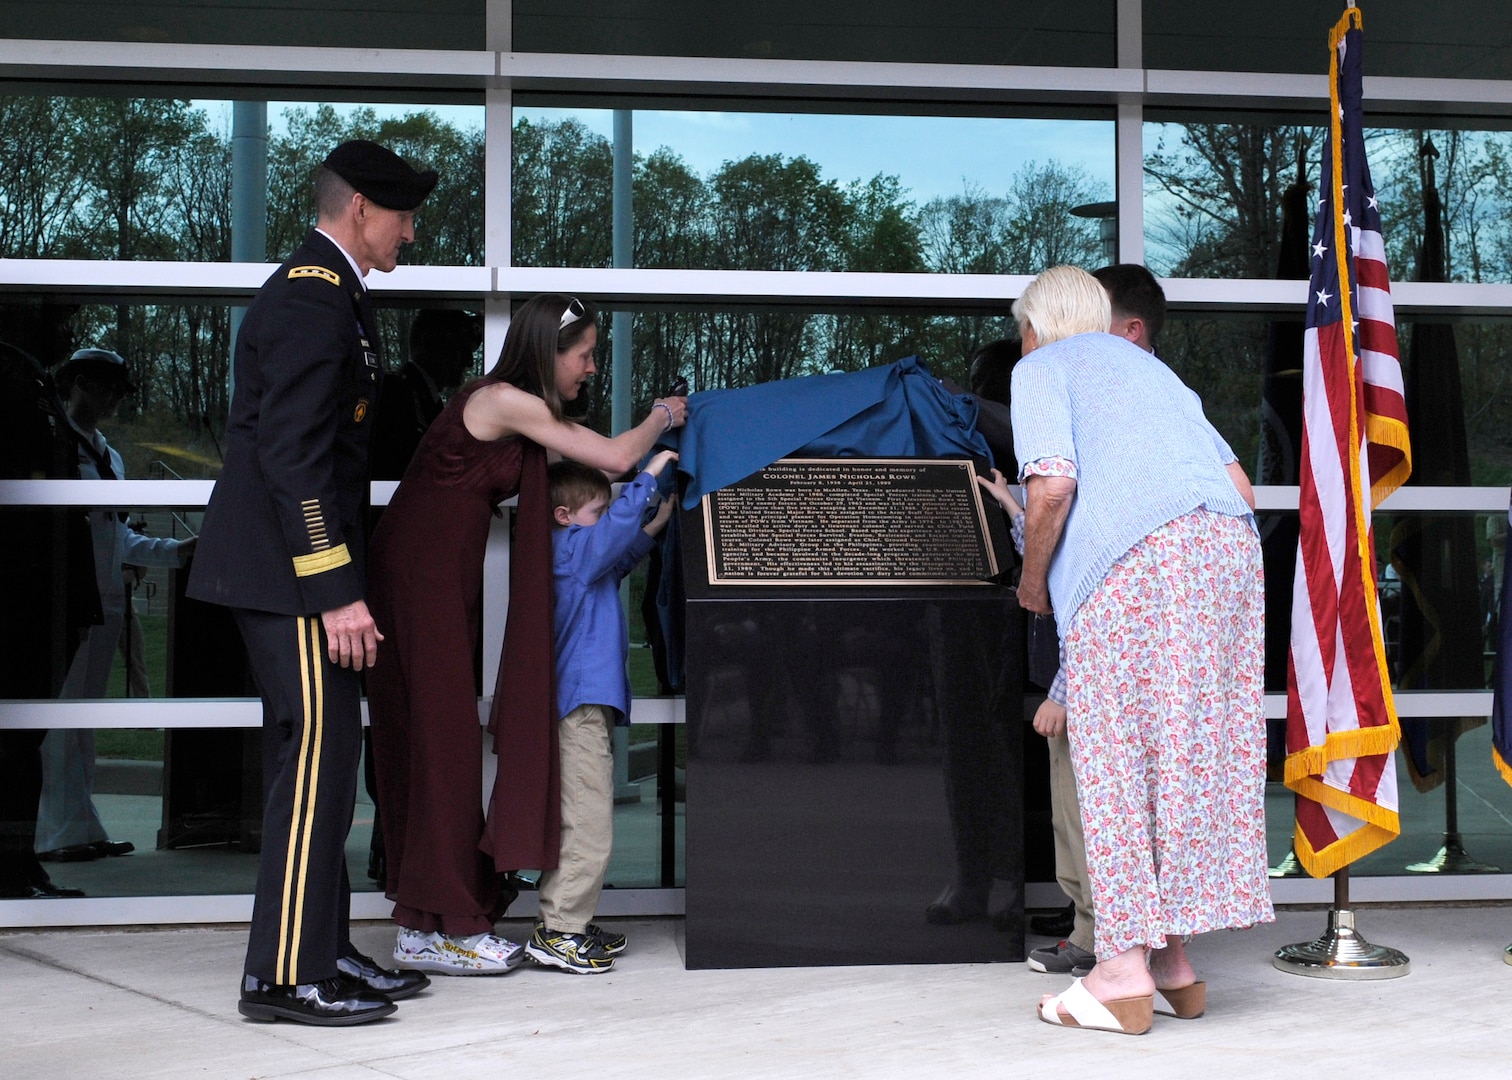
[664,407]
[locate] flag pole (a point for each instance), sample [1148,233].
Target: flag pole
[1346,281]
[1342,953]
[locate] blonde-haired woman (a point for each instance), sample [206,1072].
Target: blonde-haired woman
[1138,534]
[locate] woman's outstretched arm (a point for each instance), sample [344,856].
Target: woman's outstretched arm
[499,410]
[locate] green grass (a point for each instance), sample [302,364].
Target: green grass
[642,672]
[155,631]
[129,744]
[138,744]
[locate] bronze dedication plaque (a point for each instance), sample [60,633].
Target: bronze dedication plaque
[850,521]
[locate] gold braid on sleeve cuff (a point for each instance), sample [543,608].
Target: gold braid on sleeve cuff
[318,562]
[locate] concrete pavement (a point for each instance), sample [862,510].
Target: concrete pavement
[161,1004]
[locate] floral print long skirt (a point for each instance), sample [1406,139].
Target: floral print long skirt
[1165,686]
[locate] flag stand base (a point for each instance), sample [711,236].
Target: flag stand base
[1452,858]
[1291,866]
[1341,953]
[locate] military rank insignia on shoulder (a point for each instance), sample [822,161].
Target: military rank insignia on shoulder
[315,271]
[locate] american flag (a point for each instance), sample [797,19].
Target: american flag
[1341,725]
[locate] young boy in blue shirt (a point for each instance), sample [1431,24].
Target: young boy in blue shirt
[595,544]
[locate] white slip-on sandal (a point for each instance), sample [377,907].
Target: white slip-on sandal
[1128,1016]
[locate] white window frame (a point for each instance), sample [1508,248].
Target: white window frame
[1125,91]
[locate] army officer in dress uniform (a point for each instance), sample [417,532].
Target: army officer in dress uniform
[283,546]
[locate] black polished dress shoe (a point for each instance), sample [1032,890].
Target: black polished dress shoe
[394,985]
[332,1002]
[110,849]
[37,891]
[1057,925]
[959,903]
[71,853]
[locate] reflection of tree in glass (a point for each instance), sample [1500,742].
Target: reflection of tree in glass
[1213,209]
[448,228]
[125,179]
[1021,232]
[561,205]
[1474,178]
[1213,196]
[42,183]
[150,179]
[1474,175]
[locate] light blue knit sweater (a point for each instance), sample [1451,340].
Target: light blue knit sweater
[1144,453]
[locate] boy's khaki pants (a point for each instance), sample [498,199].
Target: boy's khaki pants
[569,894]
[1070,844]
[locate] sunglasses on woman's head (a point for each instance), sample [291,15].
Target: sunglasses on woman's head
[574,312]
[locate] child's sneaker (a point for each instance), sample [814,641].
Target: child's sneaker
[611,942]
[580,954]
[452,954]
[608,940]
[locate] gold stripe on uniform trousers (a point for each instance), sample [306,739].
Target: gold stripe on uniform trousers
[318,562]
[318,671]
[294,886]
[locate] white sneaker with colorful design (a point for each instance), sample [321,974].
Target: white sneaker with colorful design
[452,954]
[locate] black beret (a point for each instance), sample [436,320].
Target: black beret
[101,363]
[380,174]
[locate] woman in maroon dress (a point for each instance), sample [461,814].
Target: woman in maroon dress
[426,573]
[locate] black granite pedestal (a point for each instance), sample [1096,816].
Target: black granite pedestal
[850,753]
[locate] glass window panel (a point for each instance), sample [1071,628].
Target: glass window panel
[1215,197]
[1222,359]
[189,801]
[716,348]
[1445,41]
[1079,34]
[150,178]
[173,424]
[1457,425]
[638,857]
[1440,577]
[145,639]
[1484,803]
[814,191]
[346,24]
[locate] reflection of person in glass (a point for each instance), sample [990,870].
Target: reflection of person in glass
[985,847]
[490,442]
[94,382]
[51,598]
[1160,601]
[442,345]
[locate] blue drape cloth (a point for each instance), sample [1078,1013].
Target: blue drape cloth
[899,410]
